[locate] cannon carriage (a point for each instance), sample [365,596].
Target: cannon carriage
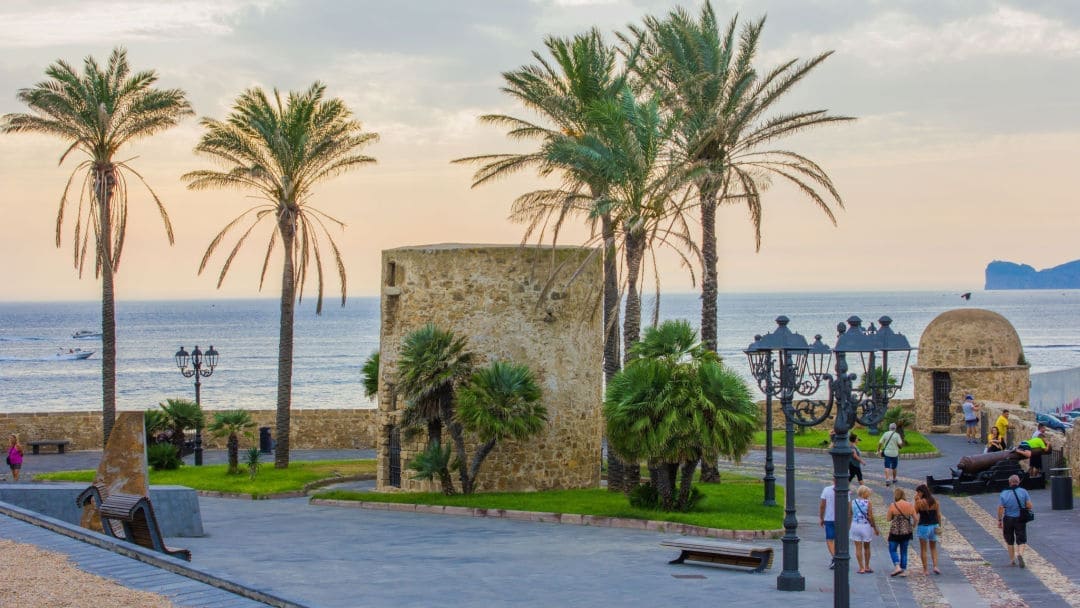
[988,472]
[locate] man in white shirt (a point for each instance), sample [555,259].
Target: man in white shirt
[827,517]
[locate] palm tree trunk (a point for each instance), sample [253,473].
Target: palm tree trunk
[287,228]
[458,435]
[665,485]
[478,459]
[686,483]
[709,291]
[635,253]
[234,454]
[104,185]
[616,475]
[434,433]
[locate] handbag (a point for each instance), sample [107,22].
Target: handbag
[1026,514]
[901,524]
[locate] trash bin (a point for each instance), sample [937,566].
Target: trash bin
[266,443]
[1061,498]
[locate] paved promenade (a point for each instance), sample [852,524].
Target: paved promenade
[332,556]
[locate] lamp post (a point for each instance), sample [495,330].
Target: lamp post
[865,404]
[784,382]
[197,370]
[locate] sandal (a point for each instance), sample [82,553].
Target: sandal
[936,571]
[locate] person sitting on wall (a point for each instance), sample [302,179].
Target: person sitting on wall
[1002,424]
[994,442]
[1036,447]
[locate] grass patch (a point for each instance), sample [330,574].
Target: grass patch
[733,504]
[915,443]
[269,481]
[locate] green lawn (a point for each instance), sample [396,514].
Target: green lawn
[915,443]
[269,480]
[733,504]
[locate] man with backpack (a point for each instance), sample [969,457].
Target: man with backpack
[889,447]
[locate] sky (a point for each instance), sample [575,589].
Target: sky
[964,149]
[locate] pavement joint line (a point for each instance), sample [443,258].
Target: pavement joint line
[1040,567]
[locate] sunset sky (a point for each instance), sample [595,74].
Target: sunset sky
[965,149]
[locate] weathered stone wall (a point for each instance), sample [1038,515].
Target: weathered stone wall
[310,429]
[1005,384]
[495,296]
[1022,425]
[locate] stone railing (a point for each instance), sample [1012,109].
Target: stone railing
[310,429]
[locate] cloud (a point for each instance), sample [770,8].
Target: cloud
[28,25]
[896,37]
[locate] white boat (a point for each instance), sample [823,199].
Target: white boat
[72,354]
[86,334]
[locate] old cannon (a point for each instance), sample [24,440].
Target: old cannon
[988,472]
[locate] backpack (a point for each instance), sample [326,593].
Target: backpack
[901,524]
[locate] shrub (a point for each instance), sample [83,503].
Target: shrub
[163,457]
[645,496]
[253,455]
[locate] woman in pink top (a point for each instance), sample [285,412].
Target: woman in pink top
[14,456]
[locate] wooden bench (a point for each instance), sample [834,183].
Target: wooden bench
[755,558]
[59,443]
[135,515]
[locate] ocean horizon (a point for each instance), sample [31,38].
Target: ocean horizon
[330,349]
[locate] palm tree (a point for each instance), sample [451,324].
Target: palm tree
[499,402]
[281,149]
[230,424]
[673,403]
[370,375]
[97,113]
[431,365]
[708,81]
[582,71]
[180,415]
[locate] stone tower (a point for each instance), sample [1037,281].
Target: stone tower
[503,300]
[966,351]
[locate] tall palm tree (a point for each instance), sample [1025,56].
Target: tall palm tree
[280,149]
[97,112]
[499,402]
[432,364]
[230,424]
[581,72]
[673,403]
[723,106]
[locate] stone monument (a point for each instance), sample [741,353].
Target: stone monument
[123,464]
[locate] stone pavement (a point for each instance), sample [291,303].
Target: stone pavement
[330,556]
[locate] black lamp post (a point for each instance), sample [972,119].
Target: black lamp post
[794,355]
[197,370]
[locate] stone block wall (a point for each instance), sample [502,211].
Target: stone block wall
[311,429]
[1006,384]
[500,298]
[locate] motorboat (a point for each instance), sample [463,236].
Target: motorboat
[72,354]
[86,334]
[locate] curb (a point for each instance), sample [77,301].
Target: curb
[572,519]
[319,483]
[874,456]
[146,556]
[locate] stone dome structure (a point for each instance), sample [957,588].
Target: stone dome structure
[961,352]
[969,337]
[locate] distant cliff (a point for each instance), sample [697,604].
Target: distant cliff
[1007,275]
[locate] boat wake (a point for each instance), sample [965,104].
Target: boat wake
[21,339]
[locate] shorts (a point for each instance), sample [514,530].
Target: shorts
[861,533]
[1035,461]
[971,423]
[891,462]
[854,471]
[15,466]
[1014,530]
[927,532]
[830,530]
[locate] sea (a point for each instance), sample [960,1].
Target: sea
[331,348]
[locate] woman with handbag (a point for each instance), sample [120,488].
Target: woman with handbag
[863,528]
[929,511]
[1014,512]
[15,456]
[902,518]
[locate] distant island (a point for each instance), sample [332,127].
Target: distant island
[1008,275]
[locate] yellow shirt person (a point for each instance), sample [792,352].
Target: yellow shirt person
[1002,424]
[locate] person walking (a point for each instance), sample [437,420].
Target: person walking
[827,517]
[889,446]
[863,528]
[14,456]
[929,511]
[1013,526]
[901,517]
[1002,424]
[856,462]
[971,417]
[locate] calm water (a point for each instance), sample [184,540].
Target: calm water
[330,349]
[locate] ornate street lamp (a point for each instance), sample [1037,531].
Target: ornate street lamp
[197,360]
[795,357]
